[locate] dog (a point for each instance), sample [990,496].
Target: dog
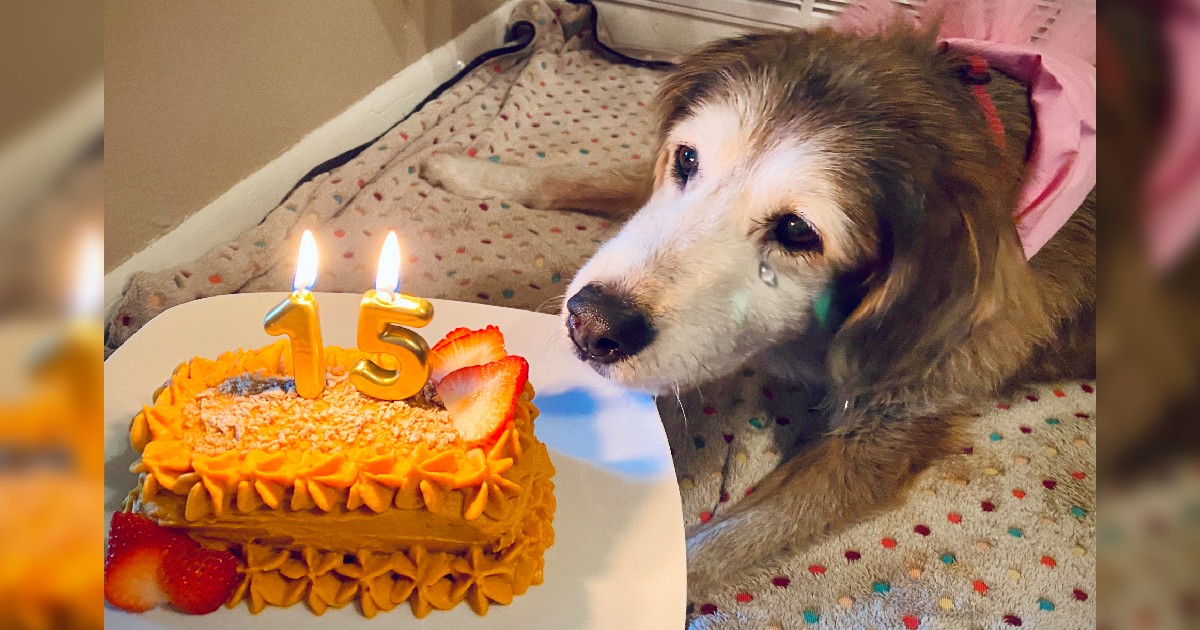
[838,211]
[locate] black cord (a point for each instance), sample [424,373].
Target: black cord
[521,35]
[619,56]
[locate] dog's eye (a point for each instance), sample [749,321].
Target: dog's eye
[795,234]
[687,160]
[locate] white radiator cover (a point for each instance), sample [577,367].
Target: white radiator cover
[670,27]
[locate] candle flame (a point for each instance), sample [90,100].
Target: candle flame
[306,263]
[88,295]
[388,276]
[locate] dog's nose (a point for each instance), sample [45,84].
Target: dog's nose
[605,327]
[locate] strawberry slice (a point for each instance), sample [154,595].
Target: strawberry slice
[136,547]
[129,531]
[475,347]
[198,580]
[131,579]
[482,399]
[451,336]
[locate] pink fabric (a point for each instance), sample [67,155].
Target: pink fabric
[1062,84]
[1172,202]
[1062,165]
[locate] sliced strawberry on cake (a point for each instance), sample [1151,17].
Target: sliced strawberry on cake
[451,336]
[482,399]
[464,348]
[136,546]
[131,579]
[198,580]
[129,531]
[148,565]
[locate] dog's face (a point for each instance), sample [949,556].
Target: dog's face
[775,187]
[728,257]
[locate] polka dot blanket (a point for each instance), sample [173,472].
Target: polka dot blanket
[1000,536]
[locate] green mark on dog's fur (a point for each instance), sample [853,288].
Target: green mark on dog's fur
[740,303]
[822,306]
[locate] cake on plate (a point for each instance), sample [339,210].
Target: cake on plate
[430,501]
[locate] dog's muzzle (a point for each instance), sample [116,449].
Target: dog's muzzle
[606,327]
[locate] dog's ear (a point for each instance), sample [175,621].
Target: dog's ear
[938,274]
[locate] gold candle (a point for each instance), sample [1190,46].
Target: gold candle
[382,317]
[298,318]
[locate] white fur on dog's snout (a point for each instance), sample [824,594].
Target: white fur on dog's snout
[690,258]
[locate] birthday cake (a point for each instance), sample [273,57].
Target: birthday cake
[440,498]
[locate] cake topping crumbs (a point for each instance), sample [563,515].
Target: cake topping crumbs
[256,411]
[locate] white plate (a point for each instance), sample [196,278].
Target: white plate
[618,557]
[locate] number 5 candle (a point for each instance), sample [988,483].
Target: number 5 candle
[298,318]
[382,317]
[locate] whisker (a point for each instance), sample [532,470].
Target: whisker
[682,411]
[550,300]
[555,341]
[558,339]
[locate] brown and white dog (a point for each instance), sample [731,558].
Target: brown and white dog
[836,210]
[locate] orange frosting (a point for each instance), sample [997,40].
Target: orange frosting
[425,578]
[340,486]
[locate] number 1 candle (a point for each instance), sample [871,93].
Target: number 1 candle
[382,317]
[298,318]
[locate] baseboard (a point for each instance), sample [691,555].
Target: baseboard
[247,202]
[675,26]
[32,160]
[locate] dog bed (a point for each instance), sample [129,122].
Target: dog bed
[1000,536]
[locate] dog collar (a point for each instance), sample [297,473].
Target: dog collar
[1061,169]
[976,75]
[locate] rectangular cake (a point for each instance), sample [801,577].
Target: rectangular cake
[444,497]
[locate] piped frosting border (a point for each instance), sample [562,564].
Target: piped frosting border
[376,478]
[426,579]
